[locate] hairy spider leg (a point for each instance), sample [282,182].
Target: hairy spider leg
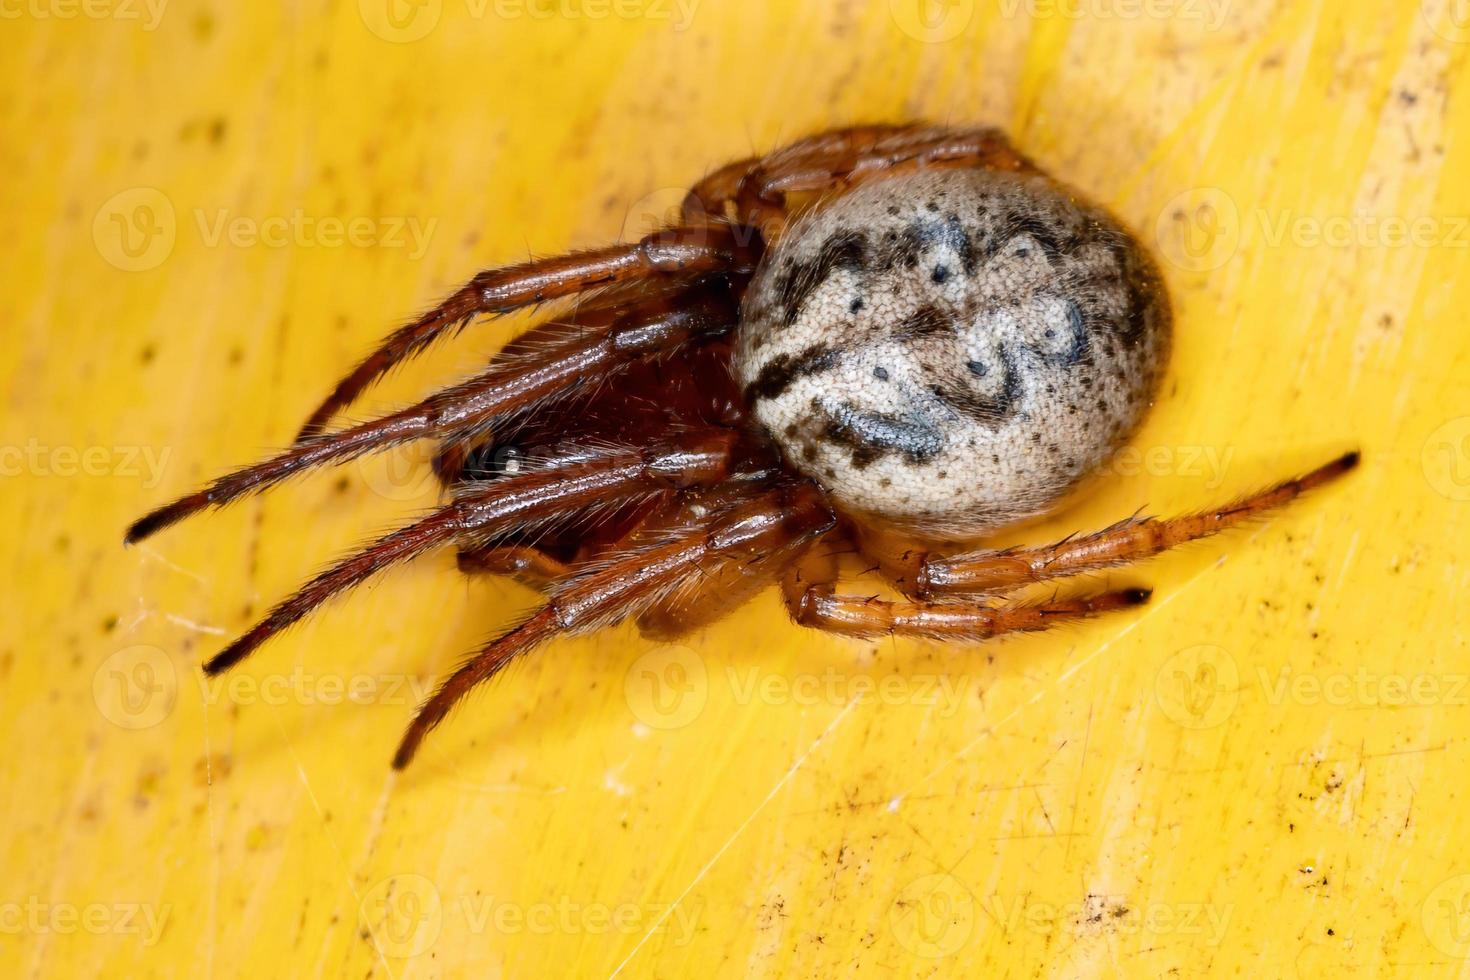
[781,518]
[470,406]
[494,292]
[851,157]
[609,477]
[809,589]
[1128,541]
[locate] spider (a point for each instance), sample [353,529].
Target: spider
[891,340]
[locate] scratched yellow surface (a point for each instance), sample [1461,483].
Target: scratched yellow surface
[209,210]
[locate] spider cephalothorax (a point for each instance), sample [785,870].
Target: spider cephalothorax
[884,339]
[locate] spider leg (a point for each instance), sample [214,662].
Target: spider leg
[1128,541]
[762,522]
[670,252]
[722,186]
[850,157]
[528,565]
[471,405]
[809,588]
[720,585]
[514,503]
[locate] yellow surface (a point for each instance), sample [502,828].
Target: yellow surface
[1262,772]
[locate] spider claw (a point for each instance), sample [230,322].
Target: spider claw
[155,521]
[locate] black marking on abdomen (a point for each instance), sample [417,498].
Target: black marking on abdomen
[1078,340]
[926,321]
[842,250]
[781,371]
[870,436]
[924,234]
[1024,223]
[993,410]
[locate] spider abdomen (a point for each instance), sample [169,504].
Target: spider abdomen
[952,351]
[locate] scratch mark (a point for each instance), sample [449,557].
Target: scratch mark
[1063,678]
[158,557]
[189,624]
[786,778]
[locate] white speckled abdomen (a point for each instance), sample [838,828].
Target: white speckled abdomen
[952,351]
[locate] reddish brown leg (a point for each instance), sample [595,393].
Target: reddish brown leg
[470,406]
[672,252]
[850,157]
[1129,541]
[527,565]
[720,187]
[809,590]
[768,522]
[515,503]
[719,585]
